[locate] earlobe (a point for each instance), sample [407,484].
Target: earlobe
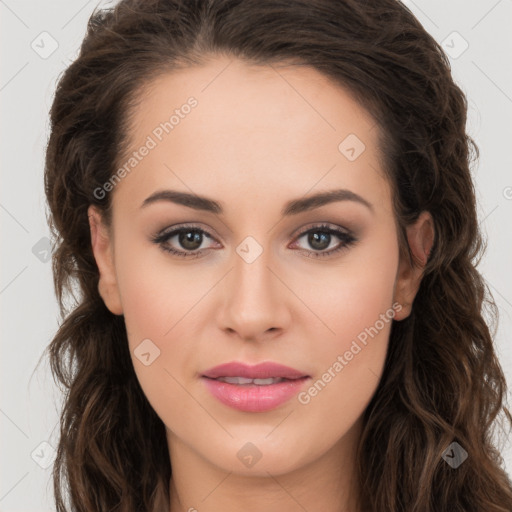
[103,254]
[420,237]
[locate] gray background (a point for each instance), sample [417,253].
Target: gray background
[38,40]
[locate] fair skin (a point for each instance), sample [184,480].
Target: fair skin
[256,140]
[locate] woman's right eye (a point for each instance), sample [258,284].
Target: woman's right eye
[189,238]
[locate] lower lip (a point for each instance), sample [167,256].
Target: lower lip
[254,398]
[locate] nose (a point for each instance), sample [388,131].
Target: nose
[255,302]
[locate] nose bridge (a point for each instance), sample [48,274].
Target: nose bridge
[252,277]
[254,302]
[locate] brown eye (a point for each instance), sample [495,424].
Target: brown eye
[187,243]
[190,240]
[319,238]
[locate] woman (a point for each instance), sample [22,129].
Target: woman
[268,209]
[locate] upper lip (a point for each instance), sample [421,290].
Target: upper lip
[259,371]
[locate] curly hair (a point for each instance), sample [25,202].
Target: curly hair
[442,381]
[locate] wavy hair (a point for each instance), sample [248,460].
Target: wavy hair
[442,381]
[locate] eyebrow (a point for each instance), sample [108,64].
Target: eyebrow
[292,207]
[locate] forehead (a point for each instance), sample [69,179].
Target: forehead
[228,126]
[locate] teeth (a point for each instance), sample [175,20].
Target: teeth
[245,381]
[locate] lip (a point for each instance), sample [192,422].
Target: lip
[253,397]
[258,371]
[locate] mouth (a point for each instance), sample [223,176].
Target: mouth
[242,381]
[253,388]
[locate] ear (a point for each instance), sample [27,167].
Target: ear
[102,248]
[420,237]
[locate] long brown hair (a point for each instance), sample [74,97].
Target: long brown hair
[442,382]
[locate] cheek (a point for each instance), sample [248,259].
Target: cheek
[349,298]
[358,307]
[155,314]
[162,305]
[156,293]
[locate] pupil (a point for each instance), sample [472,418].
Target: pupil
[323,240]
[190,240]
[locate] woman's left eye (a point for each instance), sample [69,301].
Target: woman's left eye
[320,238]
[191,238]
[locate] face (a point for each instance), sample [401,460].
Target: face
[259,273]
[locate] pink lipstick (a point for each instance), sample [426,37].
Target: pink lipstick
[258,388]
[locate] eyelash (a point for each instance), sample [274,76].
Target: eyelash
[347,240]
